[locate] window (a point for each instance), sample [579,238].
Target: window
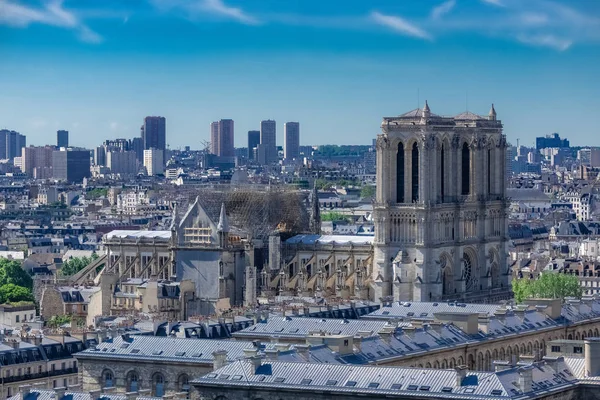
[373,385]
[466,170]
[415,173]
[396,386]
[108,379]
[400,174]
[345,342]
[578,350]
[350,383]
[555,349]
[306,381]
[331,382]
[159,385]
[16,318]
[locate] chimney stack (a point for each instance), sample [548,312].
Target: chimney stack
[591,351]
[95,394]
[272,354]
[461,374]
[501,365]
[526,379]
[60,392]
[24,391]
[220,359]
[255,362]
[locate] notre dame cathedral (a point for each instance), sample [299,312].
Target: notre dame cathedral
[440,211]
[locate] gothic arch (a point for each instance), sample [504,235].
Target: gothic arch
[436,364]
[400,161]
[452,362]
[108,378]
[132,380]
[414,172]
[444,364]
[461,361]
[158,384]
[465,162]
[443,167]
[447,274]
[470,273]
[428,365]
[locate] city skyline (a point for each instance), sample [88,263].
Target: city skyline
[310,63]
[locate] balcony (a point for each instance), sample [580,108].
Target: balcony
[39,375]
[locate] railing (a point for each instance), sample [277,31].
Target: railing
[38,375]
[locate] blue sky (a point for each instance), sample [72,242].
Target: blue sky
[97,68]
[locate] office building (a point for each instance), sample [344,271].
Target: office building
[268,140]
[291,140]
[121,162]
[11,143]
[71,164]
[154,162]
[154,133]
[253,141]
[222,138]
[100,155]
[37,161]
[137,145]
[552,140]
[62,138]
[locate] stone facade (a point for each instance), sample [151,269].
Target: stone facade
[440,211]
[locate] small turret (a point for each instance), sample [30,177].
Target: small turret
[426,111]
[315,214]
[223,228]
[492,114]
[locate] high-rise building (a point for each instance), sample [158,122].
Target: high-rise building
[268,140]
[37,161]
[71,164]
[440,211]
[552,140]
[121,162]
[11,143]
[137,145]
[154,161]
[253,141]
[62,138]
[100,155]
[291,140]
[154,133]
[222,138]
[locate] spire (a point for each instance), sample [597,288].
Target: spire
[426,111]
[492,114]
[223,225]
[175,221]
[315,211]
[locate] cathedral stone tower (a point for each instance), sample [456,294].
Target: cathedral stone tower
[440,211]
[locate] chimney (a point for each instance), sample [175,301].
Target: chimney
[553,362]
[303,350]
[255,362]
[483,325]
[250,352]
[461,374]
[357,343]
[60,392]
[409,331]
[436,326]
[131,395]
[591,353]
[275,339]
[282,346]
[500,313]
[220,359]
[365,334]
[520,310]
[501,365]
[102,335]
[24,391]
[109,390]
[526,379]
[417,323]
[13,343]
[95,394]
[144,392]
[551,307]
[272,354]
[526,359]
[386,333]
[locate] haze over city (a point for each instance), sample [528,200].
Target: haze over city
[98,68]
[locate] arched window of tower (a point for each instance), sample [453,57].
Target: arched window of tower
[415,173]
[400,174]
[466,170]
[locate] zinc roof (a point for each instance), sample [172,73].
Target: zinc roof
[425,310]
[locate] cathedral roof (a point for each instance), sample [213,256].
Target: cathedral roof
[417,113]
[468,115]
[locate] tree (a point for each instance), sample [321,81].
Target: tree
[12,293]
[334,216]
[76,264]
[547,286]
[367,191]
[11,272]
[59,320]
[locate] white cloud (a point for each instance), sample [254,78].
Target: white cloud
[497,3]
[399,25]
[534,18]
[443,9]
[218,7]
[547,40]
[52,13]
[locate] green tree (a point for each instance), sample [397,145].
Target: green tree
[547,286]
[367,191]
[11,293]
[323,184]
[334,216]
[76,264]
[11,272]
[58,320]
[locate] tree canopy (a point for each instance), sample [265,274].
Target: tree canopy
[367,191]
[548,286]
[11,293]
[12,272]
[76,264]
[334,216]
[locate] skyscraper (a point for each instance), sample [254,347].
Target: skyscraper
[253,141]
[36,159]
[11,143]
[268,140]
[71,165]
[222,137]
[121,162]
[154,133]
[62,138]
[291,140]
